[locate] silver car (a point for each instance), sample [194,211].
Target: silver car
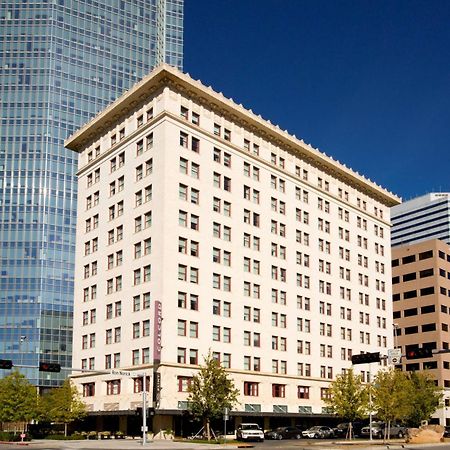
[318,432]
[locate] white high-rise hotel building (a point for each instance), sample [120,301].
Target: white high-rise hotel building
[248,243]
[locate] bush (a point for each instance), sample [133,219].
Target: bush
[78,436]
[9,436]
[6,436]
[61,437]
[92,435]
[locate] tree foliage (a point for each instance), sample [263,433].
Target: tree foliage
[391,395]
[18,399]
[349,397]
[407,397]
[210,392]
[425,397]
[62,405]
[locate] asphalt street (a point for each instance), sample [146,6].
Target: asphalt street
[302,444]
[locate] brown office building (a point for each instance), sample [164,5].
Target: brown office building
[421,308]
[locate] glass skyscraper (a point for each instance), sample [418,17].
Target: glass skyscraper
[61,61]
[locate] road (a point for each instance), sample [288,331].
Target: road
[330,444]
[302,444]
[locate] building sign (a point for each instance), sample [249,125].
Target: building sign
[157,333]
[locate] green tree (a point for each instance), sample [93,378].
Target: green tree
[62,405]
[349,398]
[425,397]
[210,392]
[18,399]
[391,399]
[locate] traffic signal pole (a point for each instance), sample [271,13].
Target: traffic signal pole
[370,403]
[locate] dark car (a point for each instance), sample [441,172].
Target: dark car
[284,433]
[447,431]
[342,429]
[318,432]
[378,430]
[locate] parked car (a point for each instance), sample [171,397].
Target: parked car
[447,431]
[318,432]
[395,430]
[341,430]
[249,432]
[284,433]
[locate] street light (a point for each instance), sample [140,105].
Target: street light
[396,327]
[21,341]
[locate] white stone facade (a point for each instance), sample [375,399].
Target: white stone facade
[260,249]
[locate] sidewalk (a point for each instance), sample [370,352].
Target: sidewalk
[125,444]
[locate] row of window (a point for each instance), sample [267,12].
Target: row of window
[280,162]
[225,133]
[415,293]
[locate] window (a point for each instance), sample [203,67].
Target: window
[183,139]
[278,390]
[303,392]
[181,328]
[88,389]
[251,389]
[195,144]
[195,118]
[113,387]
[183,383]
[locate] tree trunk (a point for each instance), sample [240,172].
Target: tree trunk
[208,430]
[350,431]
[65,429]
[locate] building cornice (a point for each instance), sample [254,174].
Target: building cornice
[166,76]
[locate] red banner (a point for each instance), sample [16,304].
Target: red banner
[157,333]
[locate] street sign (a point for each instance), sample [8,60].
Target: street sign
[123,373]
[226,414]
[394,356]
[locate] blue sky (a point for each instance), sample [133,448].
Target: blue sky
[365,81]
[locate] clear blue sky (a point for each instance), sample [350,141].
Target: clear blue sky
[365,81]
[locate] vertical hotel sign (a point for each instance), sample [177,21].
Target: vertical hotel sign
[157,333]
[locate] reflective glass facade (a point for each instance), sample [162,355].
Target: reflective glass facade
[61,62]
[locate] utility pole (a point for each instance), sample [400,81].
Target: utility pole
[367,358]
[144,409]
[370,403]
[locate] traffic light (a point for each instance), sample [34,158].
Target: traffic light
[49,367]
[366,358]
[5,364]
[418,353]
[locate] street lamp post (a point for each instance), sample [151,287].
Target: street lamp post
[395,334]
[144,409]
[21,341]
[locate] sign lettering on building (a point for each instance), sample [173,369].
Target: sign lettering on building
[157,333]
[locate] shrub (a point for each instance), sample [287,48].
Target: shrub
[92,435]
[10,436]
[105,435]
[6,436]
